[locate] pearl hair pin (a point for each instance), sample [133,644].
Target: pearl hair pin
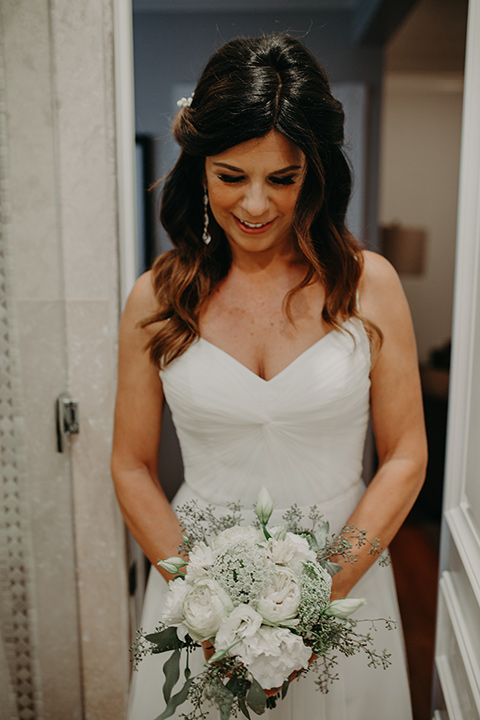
[185,102]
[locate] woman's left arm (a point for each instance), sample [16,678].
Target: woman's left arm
[397,415]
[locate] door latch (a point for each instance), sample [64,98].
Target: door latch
[67,418]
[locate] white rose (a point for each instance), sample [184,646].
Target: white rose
[172,613]
[243,622]
[293,551]
[280,599]
[200,559]
[272,654]
[204,607]
[236,534]
[173,609]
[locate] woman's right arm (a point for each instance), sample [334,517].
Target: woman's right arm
[138,418]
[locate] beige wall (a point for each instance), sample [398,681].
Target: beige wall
[421,128]
[60,236]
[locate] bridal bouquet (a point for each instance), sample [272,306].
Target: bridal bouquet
[258,598]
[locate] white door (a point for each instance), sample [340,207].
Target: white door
[457,654]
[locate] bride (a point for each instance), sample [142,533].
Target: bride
[272,335]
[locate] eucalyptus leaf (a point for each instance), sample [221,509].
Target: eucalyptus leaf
[175,701]
[165,640]
[256,698]
[311,539]
[171,670]
[322,534]
[234,685]
[331,567]
[226,701]
[243,707]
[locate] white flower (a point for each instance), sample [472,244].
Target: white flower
[280,599]
[243,622]
[292,552]
[173,609]
[236,534]
[316,586]
[279,532]
[172,564]
[204,607]
[345,607]
[200,559]
[272,654]
[242,569]
[264,506]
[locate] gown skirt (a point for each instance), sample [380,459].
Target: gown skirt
[300,435]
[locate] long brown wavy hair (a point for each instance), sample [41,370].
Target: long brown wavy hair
[249,87]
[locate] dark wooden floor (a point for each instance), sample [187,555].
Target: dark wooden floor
[415,563]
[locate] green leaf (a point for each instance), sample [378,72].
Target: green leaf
[331,568]
[171,670]
[322,534]
[237,687]
[242,706]
[285,687]
[233,685]
[175,701]
[226,701]
[256,698]
[165,640]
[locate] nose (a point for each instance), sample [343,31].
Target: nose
[255,201]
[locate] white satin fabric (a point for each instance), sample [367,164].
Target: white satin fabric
[301,435]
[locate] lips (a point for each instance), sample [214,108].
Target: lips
[253,227]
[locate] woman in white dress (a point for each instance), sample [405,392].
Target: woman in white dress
[271,334]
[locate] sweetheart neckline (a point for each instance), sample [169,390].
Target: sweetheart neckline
[287,367]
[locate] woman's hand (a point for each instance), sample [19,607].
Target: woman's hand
[208,649]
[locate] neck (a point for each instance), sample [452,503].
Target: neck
[271,262]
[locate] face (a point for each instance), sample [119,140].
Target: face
[253,188]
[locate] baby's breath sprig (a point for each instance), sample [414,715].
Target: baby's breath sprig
[141,647]
[200,523]
[343,544]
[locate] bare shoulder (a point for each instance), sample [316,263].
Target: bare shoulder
[142,300]
[141,304]
[381,295]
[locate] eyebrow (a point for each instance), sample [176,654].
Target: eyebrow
[275,172]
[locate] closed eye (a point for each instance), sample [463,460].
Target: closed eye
[231,178]
[284,180]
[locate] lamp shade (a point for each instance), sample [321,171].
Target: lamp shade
[405,248]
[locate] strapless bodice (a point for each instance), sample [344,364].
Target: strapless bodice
[300,434]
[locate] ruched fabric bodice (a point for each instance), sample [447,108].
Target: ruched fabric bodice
[300,434]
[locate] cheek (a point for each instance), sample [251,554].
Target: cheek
[221,197]
[289,200]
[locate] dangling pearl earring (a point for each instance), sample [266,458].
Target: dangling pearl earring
[206,237]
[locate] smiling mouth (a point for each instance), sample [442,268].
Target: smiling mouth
[253,226]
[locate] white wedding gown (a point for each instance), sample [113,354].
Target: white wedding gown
[301,435]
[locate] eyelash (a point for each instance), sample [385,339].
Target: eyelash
[234,179]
